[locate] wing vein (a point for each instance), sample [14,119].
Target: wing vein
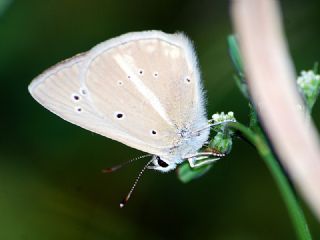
[143,89]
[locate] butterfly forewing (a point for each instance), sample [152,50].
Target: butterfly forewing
[150,82]
[139,89]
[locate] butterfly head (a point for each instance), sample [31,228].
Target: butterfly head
[161,164]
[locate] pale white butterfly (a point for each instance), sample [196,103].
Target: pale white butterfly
[142,89]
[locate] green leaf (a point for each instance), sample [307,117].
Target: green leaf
[237,63]
[253,118]
[187,174]
[235,54]
[242,86]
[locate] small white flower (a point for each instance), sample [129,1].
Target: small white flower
[222,117]
[231,114]
[215,116]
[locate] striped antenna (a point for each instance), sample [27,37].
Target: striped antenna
[126,199]
[114,168]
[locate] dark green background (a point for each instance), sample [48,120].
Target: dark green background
[51,186]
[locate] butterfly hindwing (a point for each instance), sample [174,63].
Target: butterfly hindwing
[59,90]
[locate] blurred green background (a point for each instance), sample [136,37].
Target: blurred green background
[51,186]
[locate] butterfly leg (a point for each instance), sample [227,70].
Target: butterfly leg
[152,167]
[210,152]
[196,162]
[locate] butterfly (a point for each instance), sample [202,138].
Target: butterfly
[142,89]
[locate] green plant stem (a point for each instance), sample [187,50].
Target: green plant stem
[295,211]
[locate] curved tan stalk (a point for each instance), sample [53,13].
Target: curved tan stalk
[271,80]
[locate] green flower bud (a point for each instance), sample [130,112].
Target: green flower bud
[309,85]
[222,142]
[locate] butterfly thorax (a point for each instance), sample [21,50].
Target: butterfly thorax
[188,141]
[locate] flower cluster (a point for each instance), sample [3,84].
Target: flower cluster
[222,141]
[222,117]
[309,85]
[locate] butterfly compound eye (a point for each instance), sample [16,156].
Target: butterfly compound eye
[161,162]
